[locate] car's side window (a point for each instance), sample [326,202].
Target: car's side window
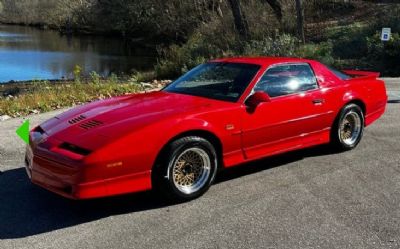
[287,79]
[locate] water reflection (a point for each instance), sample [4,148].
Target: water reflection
[28,53]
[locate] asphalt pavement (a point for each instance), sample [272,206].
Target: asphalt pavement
[313,198]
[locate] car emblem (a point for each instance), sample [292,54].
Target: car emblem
[229,127]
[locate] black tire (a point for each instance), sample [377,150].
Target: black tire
[352,112]
[167,183]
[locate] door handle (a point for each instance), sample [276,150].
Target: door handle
[318,101]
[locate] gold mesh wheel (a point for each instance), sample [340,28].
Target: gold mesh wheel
[350,128]
[191,170]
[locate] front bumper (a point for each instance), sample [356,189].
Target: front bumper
[68,179]
[65,180]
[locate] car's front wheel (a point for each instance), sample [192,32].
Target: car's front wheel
[186,168]
[348,128]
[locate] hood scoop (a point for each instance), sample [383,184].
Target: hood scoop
[90,124]
[76,119]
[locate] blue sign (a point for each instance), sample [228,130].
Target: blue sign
[386,34]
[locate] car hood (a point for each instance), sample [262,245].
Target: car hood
[106,120]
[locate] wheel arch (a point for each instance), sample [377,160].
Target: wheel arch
[208,135]
[354,97]
[358,102]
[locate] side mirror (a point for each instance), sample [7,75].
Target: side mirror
[257,98]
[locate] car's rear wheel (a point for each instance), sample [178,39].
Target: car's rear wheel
[186,168]
[348,128]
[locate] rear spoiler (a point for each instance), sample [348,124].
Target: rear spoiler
[362,74]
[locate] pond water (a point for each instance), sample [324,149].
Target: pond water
[28,53]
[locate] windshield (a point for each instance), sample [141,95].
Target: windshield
[216,80]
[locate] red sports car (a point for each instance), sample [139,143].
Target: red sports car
[220,114]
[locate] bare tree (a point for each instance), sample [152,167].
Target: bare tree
[239,17]
[277,8]
[218,8]
[300,20]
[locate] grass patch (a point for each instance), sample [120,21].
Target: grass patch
[45,96]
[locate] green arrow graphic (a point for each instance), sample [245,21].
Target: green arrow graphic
[23,131]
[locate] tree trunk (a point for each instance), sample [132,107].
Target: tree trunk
[300,20]
[219,10]
[239,17]
[277,8]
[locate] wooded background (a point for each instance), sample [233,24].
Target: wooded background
[343,33]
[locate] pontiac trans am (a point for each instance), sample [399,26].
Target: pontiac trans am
[218,115]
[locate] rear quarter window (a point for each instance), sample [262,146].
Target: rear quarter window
[341,75]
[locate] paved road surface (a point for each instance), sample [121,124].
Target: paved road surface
[308,199]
